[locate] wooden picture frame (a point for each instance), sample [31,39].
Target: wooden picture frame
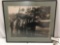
[29,21]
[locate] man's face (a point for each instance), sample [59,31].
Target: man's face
[22,11]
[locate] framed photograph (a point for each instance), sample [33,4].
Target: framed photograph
[29,21]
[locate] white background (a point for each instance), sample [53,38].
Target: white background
[2,29]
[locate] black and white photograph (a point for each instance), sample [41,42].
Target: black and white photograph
[29,21]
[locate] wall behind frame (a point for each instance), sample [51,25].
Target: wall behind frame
[57,23]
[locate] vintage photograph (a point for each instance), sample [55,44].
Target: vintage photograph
[29,21]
